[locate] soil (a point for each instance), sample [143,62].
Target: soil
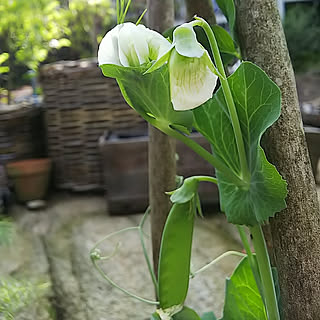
[52,245]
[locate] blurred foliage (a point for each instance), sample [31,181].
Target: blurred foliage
[302,29]
[28,28]
[88,21]
[17,294]
[6,231]
[40,31]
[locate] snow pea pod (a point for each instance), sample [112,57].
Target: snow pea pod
[175,255]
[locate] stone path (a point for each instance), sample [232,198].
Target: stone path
[52,246]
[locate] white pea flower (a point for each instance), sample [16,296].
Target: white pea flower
[131,45]
[191,71]
[192,80]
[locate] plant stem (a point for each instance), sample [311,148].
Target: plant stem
[95,260]
[264,265]
[225,254]
[203,153]
[97,267]
[228,97]
[153,276]
[206,179]
[251,259]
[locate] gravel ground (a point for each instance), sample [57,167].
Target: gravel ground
[52,246]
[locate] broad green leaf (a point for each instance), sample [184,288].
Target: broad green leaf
[257,101]
[186,314]
[208,316]
[225,42]
[228,9]
[175,255]
[149,95]
[243,300]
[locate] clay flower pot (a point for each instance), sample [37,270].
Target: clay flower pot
[30,178]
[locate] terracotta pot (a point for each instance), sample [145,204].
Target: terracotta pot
[30,178]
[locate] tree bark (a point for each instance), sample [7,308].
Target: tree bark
[162,162]
[296,230]
[10,77]
[201,8]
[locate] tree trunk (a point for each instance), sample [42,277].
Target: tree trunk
[201,8]
[162,162]
[10,78]
[296,230]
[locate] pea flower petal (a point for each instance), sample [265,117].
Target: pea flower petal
[108,52]
[191,81]
[129,45]
[186,43]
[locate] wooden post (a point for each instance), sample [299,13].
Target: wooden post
[296,230]
[201,8]
[162,162]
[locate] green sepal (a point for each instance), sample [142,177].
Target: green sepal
[257,100]
[120,72]
[186,192]
[243,300]
[149,95]
[160,62]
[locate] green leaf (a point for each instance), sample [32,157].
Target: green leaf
[243,300]
[186,314]
[4,70]
[175,255]
[228,9]
[3,57]
[208,316]
[224,40]
[149,95]
[257,101]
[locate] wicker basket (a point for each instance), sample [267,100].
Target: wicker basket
[21,135]
[81,105]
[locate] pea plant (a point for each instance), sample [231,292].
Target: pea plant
[172,84]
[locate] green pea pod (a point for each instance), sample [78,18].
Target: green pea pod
[186,314]
[175,255]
